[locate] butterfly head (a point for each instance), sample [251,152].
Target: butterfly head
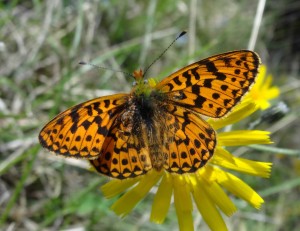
[142,85]
[138,74]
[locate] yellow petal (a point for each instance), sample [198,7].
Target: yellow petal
[241,111]
[207,208]
[273,92]
[243,137]
[238,187]
[152,82]
[260,78]
[162,200]
[262,90]
[183,203]
[115,187]
[263,104]
[217,195]
[128,201]
[224,159]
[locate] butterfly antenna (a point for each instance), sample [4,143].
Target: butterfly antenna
[180,35]
[105,68]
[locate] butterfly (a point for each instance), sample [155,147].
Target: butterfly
[157,125]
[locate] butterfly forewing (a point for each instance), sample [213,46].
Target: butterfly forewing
[214,85]
[81,130]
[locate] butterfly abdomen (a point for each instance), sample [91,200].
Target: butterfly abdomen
[150,128]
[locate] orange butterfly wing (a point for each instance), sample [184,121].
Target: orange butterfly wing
[191,141]
[210,87]
[123,154]
[81,130]
[214,85]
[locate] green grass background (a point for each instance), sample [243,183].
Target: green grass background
[41,43]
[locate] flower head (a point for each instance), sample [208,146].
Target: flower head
[262,91]
[205,187]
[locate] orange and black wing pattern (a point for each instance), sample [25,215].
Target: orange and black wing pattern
[81,130]
[190,141]
[212,86]
[124,154]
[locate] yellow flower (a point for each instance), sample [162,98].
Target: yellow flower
[262,91]
[205,187]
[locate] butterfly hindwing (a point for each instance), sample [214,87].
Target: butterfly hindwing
[81,130]
[191,141]
[123,154]
[214,85]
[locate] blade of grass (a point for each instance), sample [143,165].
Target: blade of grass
[288,185]
[27,169]
[282,151]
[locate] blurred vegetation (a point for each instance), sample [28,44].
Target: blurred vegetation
[41,43]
